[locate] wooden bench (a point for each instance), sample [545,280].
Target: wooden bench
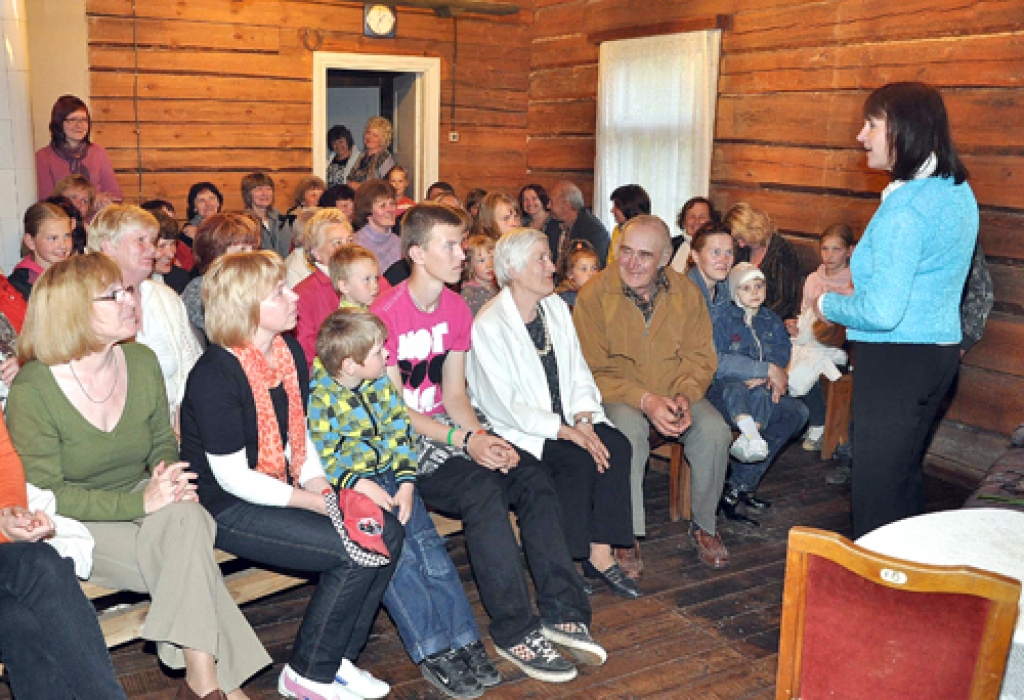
[678,476]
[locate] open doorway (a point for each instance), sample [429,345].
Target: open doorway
[405,89]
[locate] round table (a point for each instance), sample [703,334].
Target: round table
[985,538]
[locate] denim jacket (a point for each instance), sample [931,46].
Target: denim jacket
[745,352]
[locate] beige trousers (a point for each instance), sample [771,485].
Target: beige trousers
[169,555]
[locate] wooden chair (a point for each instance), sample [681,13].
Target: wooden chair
[838,401]
[678,476]
[858,625]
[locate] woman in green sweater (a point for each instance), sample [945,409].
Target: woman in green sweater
[89,417]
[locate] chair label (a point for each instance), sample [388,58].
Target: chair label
[893,576]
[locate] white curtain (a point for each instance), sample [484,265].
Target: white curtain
[656,119]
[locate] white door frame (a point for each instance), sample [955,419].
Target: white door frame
[428,109]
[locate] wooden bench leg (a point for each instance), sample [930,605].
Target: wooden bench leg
[678,484]
[838,401]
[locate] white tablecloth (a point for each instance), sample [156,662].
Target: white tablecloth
[985,538]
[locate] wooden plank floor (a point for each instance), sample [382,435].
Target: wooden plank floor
[696,633]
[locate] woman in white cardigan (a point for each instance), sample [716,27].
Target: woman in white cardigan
[527,374]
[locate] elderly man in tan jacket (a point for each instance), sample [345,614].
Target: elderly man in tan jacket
[646,334]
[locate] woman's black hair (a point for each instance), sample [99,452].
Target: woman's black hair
[916,127]
[197,189]
[339,132]
[542,195]
[631,200]
[335,193]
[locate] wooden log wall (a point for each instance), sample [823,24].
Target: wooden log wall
[794,75]
[225,88]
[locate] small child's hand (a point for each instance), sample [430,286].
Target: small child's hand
[403,499]
[375,493]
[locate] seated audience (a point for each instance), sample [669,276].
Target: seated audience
[498,215]
[478,285]
[38,595]
[48,239]
[437,189]
[761,244]
[128,235]
[577,221]
[535,206]
[326,233]
[244,432]
[72,152]
[473,199]
[468,473]
[79,235]
[361,429]
[88,415]
[204,200]
[218,235]
[528,376]
[80,192]
[165,265]
[627,201]
[307,195]
[343,157]
[374,221]
[647,337]
[158,205]
[581,264]
[297,265]
[376,161]
[695,213]
[750,387]
[275,229]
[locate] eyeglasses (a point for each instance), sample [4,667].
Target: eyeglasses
[118,295]
[77,120]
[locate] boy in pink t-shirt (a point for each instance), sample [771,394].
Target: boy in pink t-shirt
[468,472]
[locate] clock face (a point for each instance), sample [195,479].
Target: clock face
[379,20]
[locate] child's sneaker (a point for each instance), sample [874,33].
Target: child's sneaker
[538,659]
[362,683]
[447,671]
[746,450]
[480,664]
[292,685]
[813,437]
[576,639]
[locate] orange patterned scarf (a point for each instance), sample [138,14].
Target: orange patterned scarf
[264,376]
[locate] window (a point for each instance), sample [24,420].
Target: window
[656,119]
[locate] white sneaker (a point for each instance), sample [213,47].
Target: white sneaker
[746,450]
[360,682]
[292,685]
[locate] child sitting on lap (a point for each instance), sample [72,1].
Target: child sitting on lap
[362,431]
[752,345]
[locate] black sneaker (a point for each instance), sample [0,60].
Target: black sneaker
[448,672]
[480,664]
[538,659]
[575,638]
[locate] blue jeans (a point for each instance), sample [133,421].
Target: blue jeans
[341,610]
[49,636]
[787,418]
[733,398]
[425,597]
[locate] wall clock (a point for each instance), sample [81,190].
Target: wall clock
[379,21]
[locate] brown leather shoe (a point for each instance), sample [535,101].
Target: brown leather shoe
[186,693]
[629,560]
[710,549]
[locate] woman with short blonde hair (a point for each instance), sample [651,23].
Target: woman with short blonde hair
[89,417]
[244,432]
[376,161]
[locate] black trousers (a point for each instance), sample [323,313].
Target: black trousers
[481,498]
[595,505]
[897,391]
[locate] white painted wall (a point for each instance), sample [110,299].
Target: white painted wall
[59,51]
[17,156]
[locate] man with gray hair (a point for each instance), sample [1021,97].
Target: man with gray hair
[645,332]
[577,221]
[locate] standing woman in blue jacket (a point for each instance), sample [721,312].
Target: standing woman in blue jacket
[908,272]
